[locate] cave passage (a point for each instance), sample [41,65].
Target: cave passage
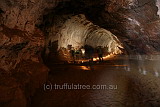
[79,53]
[79,40]
[84,79]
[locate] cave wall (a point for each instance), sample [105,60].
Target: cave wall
[135,22]
[129,20]
[78,31]
[21,67]
[17,46]
[25,14]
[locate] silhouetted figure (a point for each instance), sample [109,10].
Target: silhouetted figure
[72,53]
[100,53]
[89,51]
[77,53]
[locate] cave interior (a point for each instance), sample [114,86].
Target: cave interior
[37,38]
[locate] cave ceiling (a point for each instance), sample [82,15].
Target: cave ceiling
[134,22]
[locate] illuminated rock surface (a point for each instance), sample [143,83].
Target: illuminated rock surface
[27,26]
[78,31]
[158,5]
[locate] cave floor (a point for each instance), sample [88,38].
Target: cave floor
[136,84]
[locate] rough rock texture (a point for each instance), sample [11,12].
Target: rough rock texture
[129,20]
[21,68]
[135,22]
[18,45]
[24,14]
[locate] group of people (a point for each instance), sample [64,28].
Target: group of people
[86,52]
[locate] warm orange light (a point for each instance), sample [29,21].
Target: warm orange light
[85,68]
[97,59]
[105,57]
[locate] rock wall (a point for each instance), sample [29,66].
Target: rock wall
[21,68]
[25,14]
[133,22]
[130,20]
[17,46]
[78,31]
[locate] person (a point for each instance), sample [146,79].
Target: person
[89,51]
[100,53]
[77,53]
[72,53]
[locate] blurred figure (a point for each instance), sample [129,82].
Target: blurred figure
[141,65]
[72,54]
[100,53]
[126,63]
[156,72]
[89,51]
[77,53]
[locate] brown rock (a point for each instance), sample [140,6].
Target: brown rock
[11,94]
